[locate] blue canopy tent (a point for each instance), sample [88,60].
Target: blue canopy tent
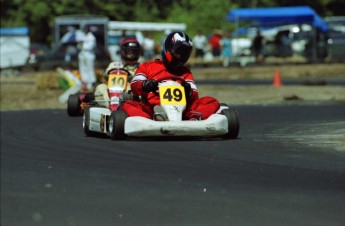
[277,16]
[266,17]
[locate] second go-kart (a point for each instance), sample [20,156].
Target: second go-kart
[167,123]
[117,84]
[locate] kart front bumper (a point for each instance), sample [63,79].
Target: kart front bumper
[215,125]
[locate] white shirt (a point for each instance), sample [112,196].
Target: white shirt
[149,44]
[88,42]
[199,41]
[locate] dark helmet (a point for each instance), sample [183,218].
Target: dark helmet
[130,50]
[176,49]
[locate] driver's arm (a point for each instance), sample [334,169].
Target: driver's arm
[137,84]
[138,79]
[189,78]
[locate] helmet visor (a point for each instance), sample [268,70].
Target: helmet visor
[132,52]
[181,52]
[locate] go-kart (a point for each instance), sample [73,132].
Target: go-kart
[117,84]
[115,124]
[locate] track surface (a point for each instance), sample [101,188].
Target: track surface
[286,168]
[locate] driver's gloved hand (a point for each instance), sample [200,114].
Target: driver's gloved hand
[150,85]
[187,89]
[89,97]
[126,95]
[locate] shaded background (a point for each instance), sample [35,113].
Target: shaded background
[39,15]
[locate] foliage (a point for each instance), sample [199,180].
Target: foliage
[206,15]
[198,16]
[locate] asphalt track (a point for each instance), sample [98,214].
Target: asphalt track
[286,168]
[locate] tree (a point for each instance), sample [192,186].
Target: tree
[202,15]
[206,15]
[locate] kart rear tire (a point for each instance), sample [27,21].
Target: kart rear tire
[117,125]
[73,105]
[233,123]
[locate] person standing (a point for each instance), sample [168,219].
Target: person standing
[86,57]
[200,42]
[69,42]
[214,42]
[226,49]
[149,46]
[257,46]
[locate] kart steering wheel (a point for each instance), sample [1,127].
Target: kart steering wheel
[172,77]
[119,69]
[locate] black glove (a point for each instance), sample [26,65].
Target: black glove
[126,95]
[187,89]
[150,85]
[89,97]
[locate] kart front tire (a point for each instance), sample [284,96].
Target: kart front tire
[73,105]
[117,125]
[233,123]
[86,123]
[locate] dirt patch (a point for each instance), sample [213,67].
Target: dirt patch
[41,90]
[287,71]
[268,95]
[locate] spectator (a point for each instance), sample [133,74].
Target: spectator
[148,46]
[69,41]
[226,49]
[283,44]
[200,42]
[286,44]
[86,57]
[257,46]
[215,43]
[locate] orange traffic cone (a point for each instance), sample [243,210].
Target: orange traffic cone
[276,80]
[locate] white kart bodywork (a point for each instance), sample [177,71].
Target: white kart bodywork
[215,125]
[98,119]
[101,120]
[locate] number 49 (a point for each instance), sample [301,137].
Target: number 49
[175,94]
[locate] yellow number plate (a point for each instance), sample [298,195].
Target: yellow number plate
[117,81]
[172,95]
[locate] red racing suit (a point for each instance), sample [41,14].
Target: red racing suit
[156,70]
